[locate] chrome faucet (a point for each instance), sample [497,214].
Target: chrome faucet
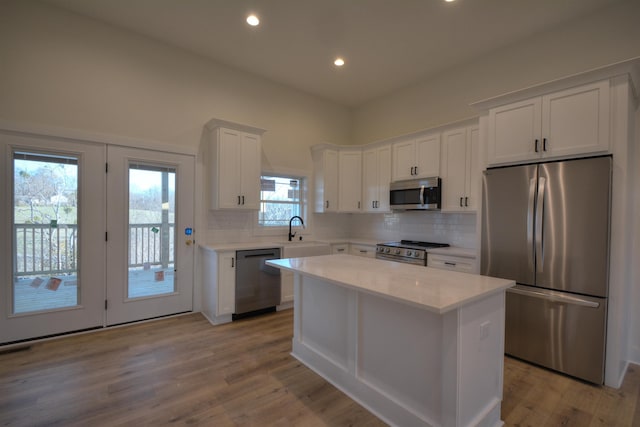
[292,235]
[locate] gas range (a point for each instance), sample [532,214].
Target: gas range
[407,251]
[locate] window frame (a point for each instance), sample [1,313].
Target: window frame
[304,182]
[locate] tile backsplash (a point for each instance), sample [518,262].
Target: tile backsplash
[455,229]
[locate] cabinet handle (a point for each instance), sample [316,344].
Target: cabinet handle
[536,145]
[340,249]
[238,199]
[466,201]
[233,262]
[358,205]
[327,204]
[377,204]
[452,264]
[544,144]
[243,200]
[362,251]
[373,204]
[416,170]
[461,201]
[412,168]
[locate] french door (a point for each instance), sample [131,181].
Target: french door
[52,216]
[149,215]
[81,248]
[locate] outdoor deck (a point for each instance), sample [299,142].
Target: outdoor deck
[33,295]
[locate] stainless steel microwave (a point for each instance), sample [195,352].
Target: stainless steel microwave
[416,194]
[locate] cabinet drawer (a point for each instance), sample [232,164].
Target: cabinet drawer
[448,262]
[363,250]
[340,248]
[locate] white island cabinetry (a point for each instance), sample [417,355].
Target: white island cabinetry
[415,346]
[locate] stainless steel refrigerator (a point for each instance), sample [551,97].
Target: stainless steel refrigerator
[546,226]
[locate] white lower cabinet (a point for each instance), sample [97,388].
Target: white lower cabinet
[451,262]
[358,249]
[219,290]
[340,248]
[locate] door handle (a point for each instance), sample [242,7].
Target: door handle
[530,217]
[540,224]
[554,297]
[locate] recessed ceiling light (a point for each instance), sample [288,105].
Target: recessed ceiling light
[449,1]
[339,62]
[253,20]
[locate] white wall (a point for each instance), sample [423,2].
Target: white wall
[607,36]
[65,70]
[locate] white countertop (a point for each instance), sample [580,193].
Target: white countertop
[428,288]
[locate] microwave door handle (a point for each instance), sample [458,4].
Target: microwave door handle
[422,195]
[530,217]
[540,225]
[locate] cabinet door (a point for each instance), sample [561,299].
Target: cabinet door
[473,170]
[330,174]
[514,132]
[227,186]
[576,120]
[427,156]
[454,168]
[403,159]
[349,181]
[370,190]
[249,172]
[226,283]
[384,178]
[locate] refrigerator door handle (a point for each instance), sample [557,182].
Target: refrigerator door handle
[530,216]
[554,297]
[540,224]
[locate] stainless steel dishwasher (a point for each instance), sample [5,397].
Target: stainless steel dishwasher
[257,284]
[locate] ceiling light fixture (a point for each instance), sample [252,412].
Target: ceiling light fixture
[253,20]
[449,1]
[339,62]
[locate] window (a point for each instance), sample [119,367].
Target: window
[281,197]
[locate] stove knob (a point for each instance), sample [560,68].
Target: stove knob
[397,251]
[387,250]
[409,253]
[417,254]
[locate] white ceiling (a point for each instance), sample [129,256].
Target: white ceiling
[387,44]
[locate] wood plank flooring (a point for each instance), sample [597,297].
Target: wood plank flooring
[183,371]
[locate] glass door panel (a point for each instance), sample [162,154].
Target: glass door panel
[45,224]
[52,225]
[152,231]
[150,253]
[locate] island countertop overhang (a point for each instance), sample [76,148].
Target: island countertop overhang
[428,288]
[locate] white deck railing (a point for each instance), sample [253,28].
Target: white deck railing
[45,250]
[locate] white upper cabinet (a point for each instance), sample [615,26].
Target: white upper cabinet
[235,167]
[349,181]
[570,122]
[376,176]
[460,169]
[325,168]
[416,158]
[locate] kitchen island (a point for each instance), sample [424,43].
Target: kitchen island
[414,345]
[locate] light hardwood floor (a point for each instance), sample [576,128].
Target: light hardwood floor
[183,371]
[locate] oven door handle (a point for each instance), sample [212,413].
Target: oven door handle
[422,195]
